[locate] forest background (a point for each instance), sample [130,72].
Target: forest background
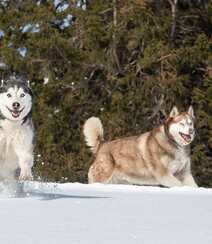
[127,62]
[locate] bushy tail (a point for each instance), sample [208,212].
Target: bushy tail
[93,132]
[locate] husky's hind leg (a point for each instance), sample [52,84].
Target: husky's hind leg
[101,171]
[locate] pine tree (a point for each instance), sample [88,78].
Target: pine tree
[127,62]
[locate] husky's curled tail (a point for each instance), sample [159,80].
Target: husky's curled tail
[93,132]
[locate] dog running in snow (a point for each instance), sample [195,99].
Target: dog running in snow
[16,129]
[158,157]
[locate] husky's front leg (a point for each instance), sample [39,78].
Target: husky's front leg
[186,177]
[25,164]
[163,176]
[25,161]
[168,180]
[23,146]
[26,172]
[188,180]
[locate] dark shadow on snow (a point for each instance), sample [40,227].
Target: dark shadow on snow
[53,196]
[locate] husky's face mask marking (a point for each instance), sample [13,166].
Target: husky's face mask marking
[181,127]
[15,103]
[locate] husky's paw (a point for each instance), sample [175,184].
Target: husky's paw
[26,174]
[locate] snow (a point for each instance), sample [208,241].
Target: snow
[1,34]
[82,4]
[57,2]
[4,2]
[56,111]
[45,80]
[67,21]
[2,65]
[60,5]
[33,28]
[85,214]
[22,51]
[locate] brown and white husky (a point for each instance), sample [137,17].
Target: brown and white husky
[158,157]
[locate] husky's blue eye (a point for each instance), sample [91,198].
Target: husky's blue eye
[22,95]
[9,95]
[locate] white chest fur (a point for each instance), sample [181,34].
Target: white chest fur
[9,126]
[180,161]
[9,130]
[16,136]
[16,148]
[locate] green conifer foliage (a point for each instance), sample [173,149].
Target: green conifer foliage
[116,60]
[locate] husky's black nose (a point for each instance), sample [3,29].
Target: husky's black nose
[16,105]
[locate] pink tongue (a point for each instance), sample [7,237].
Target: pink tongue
[186,137]
[15,114]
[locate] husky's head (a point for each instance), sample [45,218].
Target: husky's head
[181,126]
[15,99]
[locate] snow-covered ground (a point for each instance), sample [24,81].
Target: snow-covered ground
[73,213]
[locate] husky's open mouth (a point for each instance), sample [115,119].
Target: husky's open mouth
[15,113]
[186,137]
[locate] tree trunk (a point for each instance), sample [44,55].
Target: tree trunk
[173,4]
[114,47]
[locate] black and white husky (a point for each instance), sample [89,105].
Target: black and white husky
[16,129]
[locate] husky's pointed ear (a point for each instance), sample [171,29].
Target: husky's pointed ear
[2,83]
[174,112]
[191,111]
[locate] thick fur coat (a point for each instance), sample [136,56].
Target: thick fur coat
[16,129]
[158,157]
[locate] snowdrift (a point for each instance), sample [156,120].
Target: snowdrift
[51,213]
